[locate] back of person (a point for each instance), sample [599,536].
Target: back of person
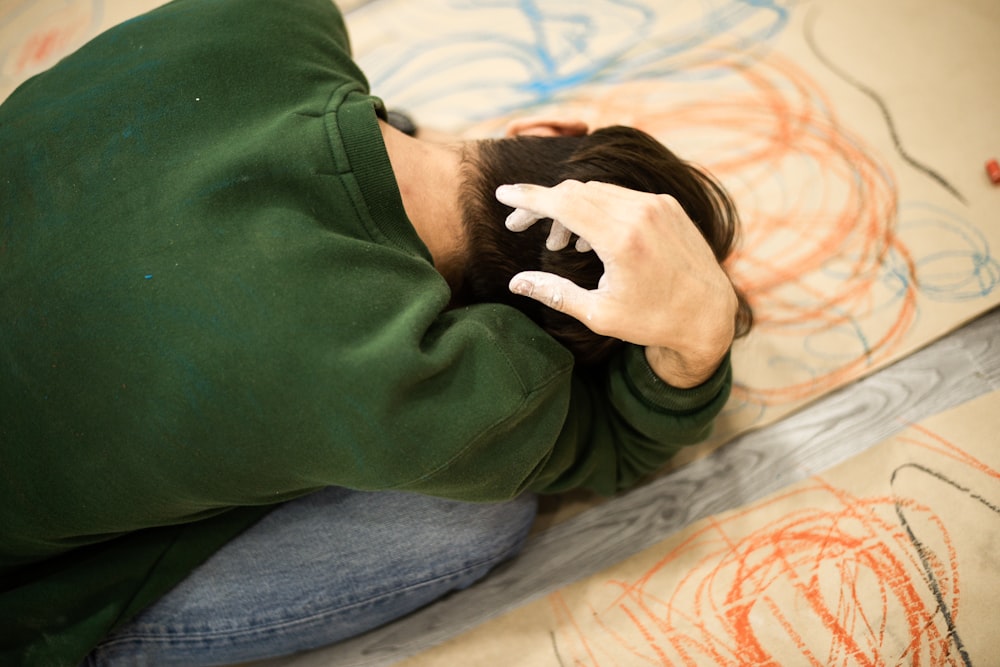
[215,303]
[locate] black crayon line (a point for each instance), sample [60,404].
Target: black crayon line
[555,648]
[875,97]
[921,549]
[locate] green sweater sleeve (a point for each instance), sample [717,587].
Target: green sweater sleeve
[625,423]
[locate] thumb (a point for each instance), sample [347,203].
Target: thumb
[554,291]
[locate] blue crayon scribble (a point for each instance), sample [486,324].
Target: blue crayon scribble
[961,267]
[476,70]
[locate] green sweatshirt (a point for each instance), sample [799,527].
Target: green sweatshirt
[213,302]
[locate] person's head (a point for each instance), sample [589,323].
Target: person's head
[618,155]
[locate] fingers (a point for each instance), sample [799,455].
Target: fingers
[559,235]
[604,216]
[521,219]
[578,207]
[554,291]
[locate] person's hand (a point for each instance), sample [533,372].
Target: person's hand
[662,286]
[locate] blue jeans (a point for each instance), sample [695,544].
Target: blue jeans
[318,570]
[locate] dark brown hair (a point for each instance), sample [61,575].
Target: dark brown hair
[618,155]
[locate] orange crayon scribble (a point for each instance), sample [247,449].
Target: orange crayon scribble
[845,585]
[820,255]
[820,260]
[936,443]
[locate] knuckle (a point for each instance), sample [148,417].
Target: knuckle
[647,215]
[569,188]
[653,209]
[554,300]
[602,322]
[669,202]
[671,208]
[632,239]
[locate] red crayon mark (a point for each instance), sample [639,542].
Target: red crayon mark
[993,171]
[43,46]
[36,35]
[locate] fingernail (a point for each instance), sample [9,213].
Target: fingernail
[520,286]
[507,190]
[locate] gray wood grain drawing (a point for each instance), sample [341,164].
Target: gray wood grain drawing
[947,373]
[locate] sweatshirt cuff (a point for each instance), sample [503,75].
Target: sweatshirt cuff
[647,386]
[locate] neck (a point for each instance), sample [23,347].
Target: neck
[429,179]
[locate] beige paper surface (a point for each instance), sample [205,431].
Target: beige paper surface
[888,559]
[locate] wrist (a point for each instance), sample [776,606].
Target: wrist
[707,339]
[683,371]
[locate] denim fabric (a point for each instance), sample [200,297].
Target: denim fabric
[318,570]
